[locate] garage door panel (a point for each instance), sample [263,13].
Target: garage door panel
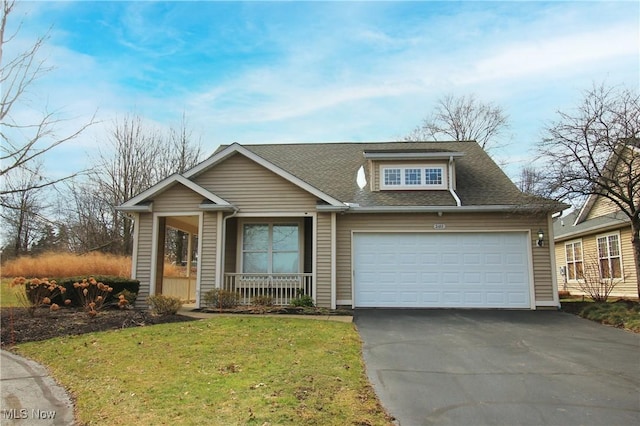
[441,270]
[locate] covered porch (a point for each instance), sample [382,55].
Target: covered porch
[178,257]
[269,257]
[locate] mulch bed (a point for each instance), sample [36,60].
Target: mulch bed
[17,326]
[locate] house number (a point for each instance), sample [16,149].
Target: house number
[439,226]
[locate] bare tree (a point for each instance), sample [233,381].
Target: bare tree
[135,157]
[23,143]
[594,150]
[532,182]
[596,281]
[463,118]
[22,210]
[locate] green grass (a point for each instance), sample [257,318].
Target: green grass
[622,313]
[618,314]
[8,294]
[224,370]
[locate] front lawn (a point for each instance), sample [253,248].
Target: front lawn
[7,294]
[225,370]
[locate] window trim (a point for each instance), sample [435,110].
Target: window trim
[270,222]
[609,257]
[566,261]
[403,167]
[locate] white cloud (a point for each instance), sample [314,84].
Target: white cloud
[547,56]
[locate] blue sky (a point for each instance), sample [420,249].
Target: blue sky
[268,72]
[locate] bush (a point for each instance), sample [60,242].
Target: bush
[93,294]
[164,305]
[39,292]
[118,284]
[302,301]
[129,296]
[221,299]
[262,300]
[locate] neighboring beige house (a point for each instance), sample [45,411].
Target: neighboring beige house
[597,233]
[395,224]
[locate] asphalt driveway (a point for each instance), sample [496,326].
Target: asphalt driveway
[488,367]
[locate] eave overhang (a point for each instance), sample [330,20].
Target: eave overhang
[449,209]
[143,201]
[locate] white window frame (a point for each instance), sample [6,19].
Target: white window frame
[609,257]
[572,243]
[270,222]
[423,177]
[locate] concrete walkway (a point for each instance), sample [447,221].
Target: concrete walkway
[30,396]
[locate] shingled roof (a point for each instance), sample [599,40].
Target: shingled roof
[332,168]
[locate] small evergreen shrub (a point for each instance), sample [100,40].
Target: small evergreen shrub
[221,299]
[164,305]
[302,300]
[262,300]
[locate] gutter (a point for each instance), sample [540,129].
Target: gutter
[224,240]
[437,209]
[453,193]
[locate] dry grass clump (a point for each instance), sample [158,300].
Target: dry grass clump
[68,265]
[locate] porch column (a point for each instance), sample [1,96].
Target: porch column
[189,251]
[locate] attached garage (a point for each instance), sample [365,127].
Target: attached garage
[442,270]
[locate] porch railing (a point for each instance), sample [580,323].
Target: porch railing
[281,287]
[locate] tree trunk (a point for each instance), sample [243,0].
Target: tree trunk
[635,242]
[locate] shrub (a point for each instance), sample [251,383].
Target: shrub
[302,300]
[118,284]
[127,295]
[221,299]
[164,305]
[262,300]
[37,292]
[92,294]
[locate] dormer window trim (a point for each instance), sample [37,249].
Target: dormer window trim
[414,176]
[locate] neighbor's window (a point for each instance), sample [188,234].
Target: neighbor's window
[270,248]
[573,252]
[413,177]
[609,256]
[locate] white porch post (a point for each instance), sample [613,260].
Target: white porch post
[189,251]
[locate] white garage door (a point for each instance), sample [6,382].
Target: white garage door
[442,270]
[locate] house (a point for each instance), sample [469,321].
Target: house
[393,224]
[598,234]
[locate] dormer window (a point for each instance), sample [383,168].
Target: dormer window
[412,176]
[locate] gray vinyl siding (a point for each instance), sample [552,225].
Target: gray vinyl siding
[323,259]
[207,257]
[543,285]
[143,266]
[255,189]
[178,198]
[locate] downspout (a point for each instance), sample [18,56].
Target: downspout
[224,240]
[453,193]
